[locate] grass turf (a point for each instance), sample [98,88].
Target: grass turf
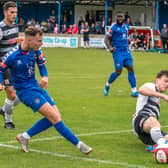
[76,82]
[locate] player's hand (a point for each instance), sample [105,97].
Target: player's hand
[1,87]
[43,82]
[112,49]
[165,97]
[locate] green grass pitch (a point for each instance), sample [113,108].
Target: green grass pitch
[76,82]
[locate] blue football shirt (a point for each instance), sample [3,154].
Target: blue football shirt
[119,34]
[22,66]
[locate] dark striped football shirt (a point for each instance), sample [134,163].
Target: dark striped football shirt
[8,37]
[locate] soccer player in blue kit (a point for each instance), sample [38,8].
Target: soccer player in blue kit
[117,42]
[21,61]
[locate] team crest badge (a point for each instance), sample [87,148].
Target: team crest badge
[19,62]
[37,100]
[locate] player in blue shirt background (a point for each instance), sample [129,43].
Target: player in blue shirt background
[21,61]
[117,42]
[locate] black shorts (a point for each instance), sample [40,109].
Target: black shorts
[7,78]
[86,38]
[138,126]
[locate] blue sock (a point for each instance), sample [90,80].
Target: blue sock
[112,77]
[66,132]
[39,126]
[132,79]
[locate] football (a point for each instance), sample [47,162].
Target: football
[161,153]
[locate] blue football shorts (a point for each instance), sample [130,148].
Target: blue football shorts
[122,58]
[34,98]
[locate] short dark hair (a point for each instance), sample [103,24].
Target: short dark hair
[33,31]
[8,5]
[119,13]
[162,73]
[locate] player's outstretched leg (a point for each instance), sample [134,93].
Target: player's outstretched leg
[84,148]
[106,89]
[23,142]
[112,78]
[70,136]
[132,81]
[42,125]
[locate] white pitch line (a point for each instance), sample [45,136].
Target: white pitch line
[124,164]
[79,135]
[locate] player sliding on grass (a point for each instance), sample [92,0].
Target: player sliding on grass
[21,61]
[145,121]
[117,42]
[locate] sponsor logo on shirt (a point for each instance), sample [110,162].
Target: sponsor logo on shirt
[11,41]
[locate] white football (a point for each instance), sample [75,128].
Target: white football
[161,153]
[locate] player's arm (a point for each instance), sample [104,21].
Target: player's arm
[44,76]
[108,40]
[42,69]
[3,67]
[146,91]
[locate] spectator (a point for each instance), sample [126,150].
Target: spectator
[33,22]
[56,29]
[137,40]
[52,17]
[75,29]
[148,42]
[137,23]
[141,38]
[44,26]
[80,23]
[28,22]
[69,29]
[21,25]
[103,25]
[109,21]
[64,29]
[64,22]
[87,16]
[98,28]
[92,29]
[50,26]
[37,25]
[67,16]
[127,16]
[132,41]
[129,22]
[85,31]
[91,20]
[164,37]
[82,27]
